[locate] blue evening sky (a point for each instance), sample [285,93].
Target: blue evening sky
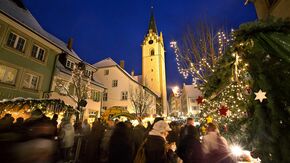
[116,28]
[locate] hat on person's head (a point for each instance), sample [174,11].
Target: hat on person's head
[161,126]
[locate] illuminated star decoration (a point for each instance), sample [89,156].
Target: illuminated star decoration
[208,119]
[199,100]
[223,110]
[260,95]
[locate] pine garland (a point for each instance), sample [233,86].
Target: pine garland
[265,46]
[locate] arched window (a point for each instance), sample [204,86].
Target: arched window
[152,52]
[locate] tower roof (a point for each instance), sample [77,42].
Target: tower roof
[152,24]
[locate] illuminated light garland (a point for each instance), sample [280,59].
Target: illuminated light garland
[234,97]
[199,69]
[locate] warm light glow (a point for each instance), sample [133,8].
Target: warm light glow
[175,90]
[236,150]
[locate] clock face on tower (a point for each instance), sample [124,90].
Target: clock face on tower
[150,42]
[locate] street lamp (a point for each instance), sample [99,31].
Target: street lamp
[176,91]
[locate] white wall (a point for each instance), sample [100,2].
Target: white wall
[125,83]
[92,106]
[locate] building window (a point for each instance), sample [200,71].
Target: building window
[38,53]
[7,74]
[115,83]
[151,70]
[69,64]
[71,89]
[194,108]
[106,72]
[88,73]
[16,42]
[30,81]
[124,95]
[152,52]
[104,108]
[151,59]
[96,95]
[105,96]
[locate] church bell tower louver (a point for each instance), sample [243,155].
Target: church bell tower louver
[153,63]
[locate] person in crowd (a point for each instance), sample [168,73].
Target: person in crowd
[6,123]
[66,136]
[121,145]
[18,125]
[215,147]
[138,135]
[190,149]
[106,141]
[173,138]
[94,142]
[156,148]
[54,123]
[38,126]
[38,145]
[183,130]
[54,120]
[86,128]
[173,135]
[149,127]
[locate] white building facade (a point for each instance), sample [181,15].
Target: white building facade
[62,85]
[120,86]
[189,105]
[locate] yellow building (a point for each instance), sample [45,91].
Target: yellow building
[153,63]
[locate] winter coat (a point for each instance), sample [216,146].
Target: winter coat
[216,149]
[190,150]
[155,149]
[67,135]
[106,139]
[138,136]
[121,145]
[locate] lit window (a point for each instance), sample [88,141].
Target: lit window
[30,81]
[69,64]
[38,53]
[105,97]
[16,42]
[115,83]
[106,72]
[124,95]
[7,74]
[96,96]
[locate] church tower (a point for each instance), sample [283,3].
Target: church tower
[153,63]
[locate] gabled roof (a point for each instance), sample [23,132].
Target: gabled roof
[64,70]
[15,10]
[191,91]
[108,62]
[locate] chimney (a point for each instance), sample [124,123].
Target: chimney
[132,73]
[122,64]
[70,43]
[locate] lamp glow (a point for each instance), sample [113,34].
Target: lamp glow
[236,150]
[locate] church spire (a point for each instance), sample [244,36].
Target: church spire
[152,24]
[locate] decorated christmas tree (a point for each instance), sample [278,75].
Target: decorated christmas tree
[264,48]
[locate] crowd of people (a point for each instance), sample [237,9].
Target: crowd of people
[41,139]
